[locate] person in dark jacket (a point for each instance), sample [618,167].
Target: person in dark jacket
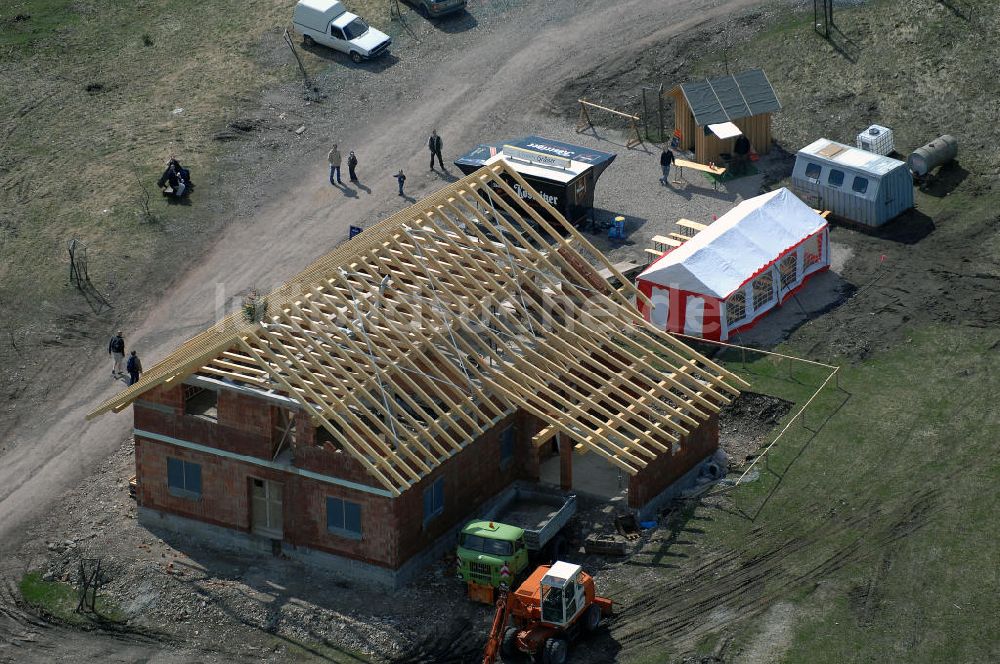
[116,349]
[434,145]
[741,154]
[352,163]
[666,159]
[134,368]
[400,178]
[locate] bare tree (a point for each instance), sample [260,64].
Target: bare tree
[143,199]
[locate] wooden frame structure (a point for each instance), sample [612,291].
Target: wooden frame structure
[407,341]
[583,123]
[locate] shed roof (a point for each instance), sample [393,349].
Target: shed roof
[730,97]
[409,341]
[870,163]
[735,247]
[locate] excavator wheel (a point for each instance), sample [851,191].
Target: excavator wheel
[509,644]
[555,652]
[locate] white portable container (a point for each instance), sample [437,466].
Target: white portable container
[877,139]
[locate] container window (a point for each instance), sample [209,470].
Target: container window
[836,178]
[813,171]
[860,184]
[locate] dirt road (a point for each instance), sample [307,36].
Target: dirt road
[473,85]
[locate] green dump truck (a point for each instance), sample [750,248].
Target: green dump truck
[521,528]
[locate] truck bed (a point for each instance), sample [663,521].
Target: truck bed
[540,512]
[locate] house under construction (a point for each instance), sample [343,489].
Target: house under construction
[410,375]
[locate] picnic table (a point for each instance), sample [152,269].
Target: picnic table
[718,171]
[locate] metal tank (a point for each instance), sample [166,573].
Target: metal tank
[940,151]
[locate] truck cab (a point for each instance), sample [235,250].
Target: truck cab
[484,547]
[328,22]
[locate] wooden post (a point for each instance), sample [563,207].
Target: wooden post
[659,112]
[565,463]
[583,122]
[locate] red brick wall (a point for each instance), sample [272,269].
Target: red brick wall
[650,481]
[471,477]
[223,485]
[225,501]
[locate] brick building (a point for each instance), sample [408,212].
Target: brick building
[412,374]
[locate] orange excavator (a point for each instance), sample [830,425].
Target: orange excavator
[551,608]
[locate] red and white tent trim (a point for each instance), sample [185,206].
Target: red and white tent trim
[743,265]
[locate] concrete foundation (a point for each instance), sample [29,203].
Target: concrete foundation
[354,571]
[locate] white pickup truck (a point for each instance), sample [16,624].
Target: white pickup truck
[327,22]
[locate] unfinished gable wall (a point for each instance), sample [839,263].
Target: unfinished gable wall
[244,425]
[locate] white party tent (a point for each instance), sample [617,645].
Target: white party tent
[745,263]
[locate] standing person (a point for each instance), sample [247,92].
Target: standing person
[116,349]
[334,159]
[666,159]
[352,163]
[134,368]
[400,178]
[434,145]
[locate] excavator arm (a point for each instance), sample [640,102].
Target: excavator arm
[495,639]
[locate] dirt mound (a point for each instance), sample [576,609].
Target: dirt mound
[746,422]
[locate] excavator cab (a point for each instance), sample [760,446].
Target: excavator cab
[562,594]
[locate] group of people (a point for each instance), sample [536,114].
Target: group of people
[335,159]
[120,367]
[176,180]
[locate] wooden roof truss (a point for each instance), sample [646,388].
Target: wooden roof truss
[412,339]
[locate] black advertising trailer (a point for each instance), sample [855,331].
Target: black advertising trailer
[565,175]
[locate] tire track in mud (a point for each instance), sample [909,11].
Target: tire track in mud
[681,610]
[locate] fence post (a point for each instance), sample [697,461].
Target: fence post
[645,115]
[659,101]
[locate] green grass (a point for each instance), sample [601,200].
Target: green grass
[23,24]
[60,600]
[898,479]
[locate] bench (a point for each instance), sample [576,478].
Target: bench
[705,168]
[687,223]
[653,254]
[661,243]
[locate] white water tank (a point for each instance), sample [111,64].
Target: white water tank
[877,139]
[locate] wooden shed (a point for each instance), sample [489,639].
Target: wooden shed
[706,110]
